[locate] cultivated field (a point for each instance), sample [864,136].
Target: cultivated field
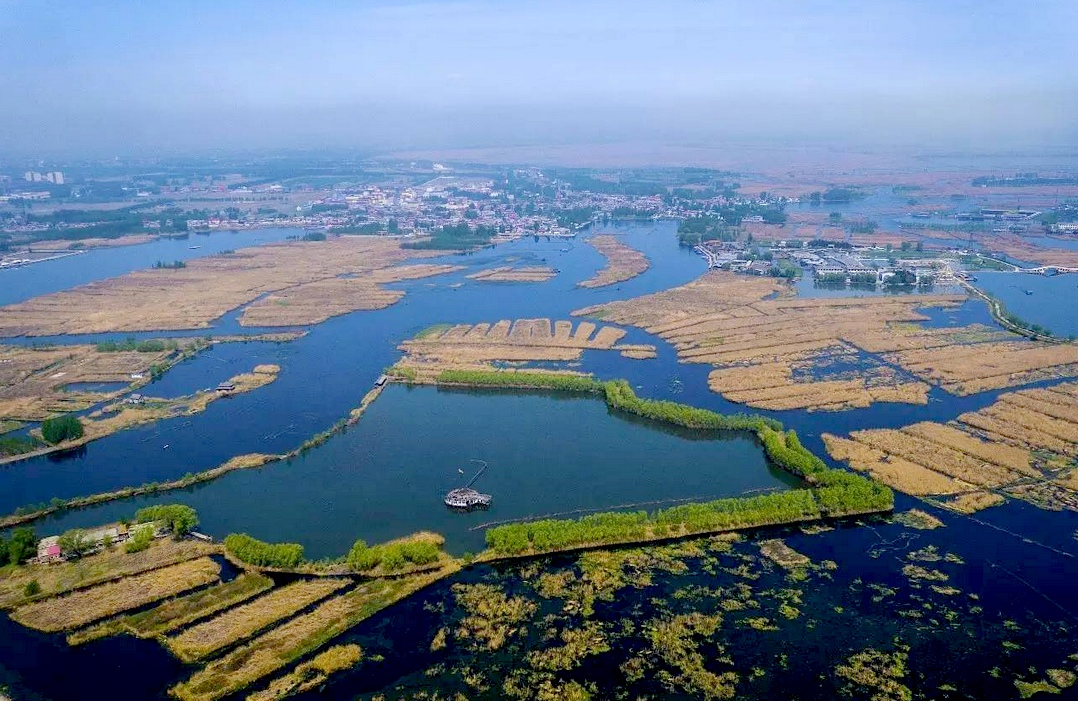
[88,605]
[537,273]
[308,282]
[244,621]
[94,569]
[467,346]
[622,262]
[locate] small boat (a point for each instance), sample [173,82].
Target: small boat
[194,248]
[460,471]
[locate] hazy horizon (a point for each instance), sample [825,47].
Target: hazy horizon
[171,77]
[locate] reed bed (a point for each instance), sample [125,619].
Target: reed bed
[1054,404]
[315,301]
[903,475]
[311,675]
[970,369]
[476,347]
[1005,432]
[242,622]
[622,262]
[539,273]
[1011,411]
[194,296]
[638,352]
[1010,457]
[1069,389]
[972,502]
[111,564]
[88,605]
[771,386]
[584,330]
[304,634]
[937,457]
[179,612]
[712,292]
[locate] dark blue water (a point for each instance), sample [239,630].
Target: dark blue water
[1050,305]
[18,284]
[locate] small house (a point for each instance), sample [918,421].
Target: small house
[226,387]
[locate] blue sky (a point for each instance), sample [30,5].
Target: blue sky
[178,75]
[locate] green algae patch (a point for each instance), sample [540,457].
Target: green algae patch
[876,675]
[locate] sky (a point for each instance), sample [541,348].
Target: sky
[99,77]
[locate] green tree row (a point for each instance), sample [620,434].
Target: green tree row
[621,527]
[130,344]
[256,552]
[529,380]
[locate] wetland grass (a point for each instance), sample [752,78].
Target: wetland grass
[539,273]
[302,280]
[112,564]
[178,612]
[85,606]
[622,262]
[236,624]
[304,634]
[311,675]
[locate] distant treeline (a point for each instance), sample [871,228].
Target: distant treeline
[1023,180]
[836,195]
[152,345]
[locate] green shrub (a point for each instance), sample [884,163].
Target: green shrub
[22,546]
[61,428]
[177,518]
[256,552]
[140,540]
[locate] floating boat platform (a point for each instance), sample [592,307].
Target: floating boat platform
[467,499]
